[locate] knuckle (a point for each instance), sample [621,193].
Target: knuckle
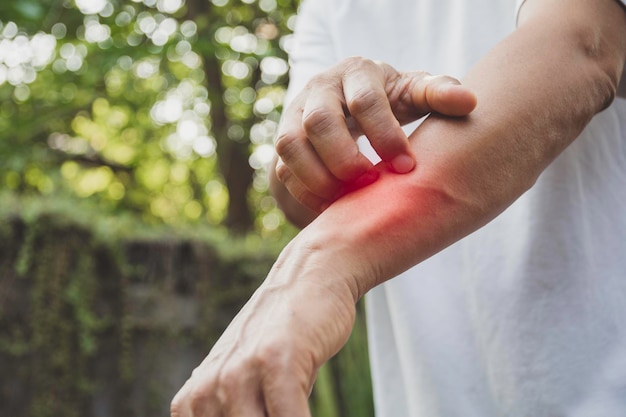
[359,66]
[386,68]
[229,381]
[271,358]
[346,65]
[407,83]
[357,63]
[286,145]
[270,351]
[322,80]
[283,173]
[318,120]
[199,400]
[176,407]
[363,101]
[197,408]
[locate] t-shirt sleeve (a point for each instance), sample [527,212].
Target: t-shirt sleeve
[621,90]
[312,49]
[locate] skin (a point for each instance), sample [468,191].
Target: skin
[467,171]
[319,159]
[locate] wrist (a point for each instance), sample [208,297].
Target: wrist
[325,258]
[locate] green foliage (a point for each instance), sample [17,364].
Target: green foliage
[88,303]
[135,135]
[55,341]
[166,108]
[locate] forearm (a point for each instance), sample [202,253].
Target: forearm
[469,170]
[536,91]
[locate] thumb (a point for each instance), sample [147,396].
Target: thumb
[285,397]
[443,94]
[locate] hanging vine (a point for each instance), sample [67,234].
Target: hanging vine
[94,318]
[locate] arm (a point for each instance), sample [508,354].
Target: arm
[467,172]
[566,60]
[319,158]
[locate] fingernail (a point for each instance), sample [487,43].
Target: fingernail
[403,164]
[450,86]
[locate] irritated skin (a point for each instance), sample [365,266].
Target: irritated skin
[470,169]
[467,171]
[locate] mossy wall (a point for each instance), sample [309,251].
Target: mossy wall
[99,320]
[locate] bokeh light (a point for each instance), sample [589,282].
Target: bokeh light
[22,56]
[91,7]
[143,89]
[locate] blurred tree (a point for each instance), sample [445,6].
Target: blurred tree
[165,108]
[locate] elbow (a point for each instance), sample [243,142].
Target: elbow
[606,87]
[605,72]
[602,51]
[590,40]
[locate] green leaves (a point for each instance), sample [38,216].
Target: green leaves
[107,100]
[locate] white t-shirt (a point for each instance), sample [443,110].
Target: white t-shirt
[527,316]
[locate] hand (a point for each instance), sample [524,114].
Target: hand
[319,159]
[265,363]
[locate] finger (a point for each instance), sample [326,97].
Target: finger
[299,191]
[250,404]
[368,103]
[297,156]
[326,127]
[195,400]
[285,397]
[241,394]
[179,407]
[443,94]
